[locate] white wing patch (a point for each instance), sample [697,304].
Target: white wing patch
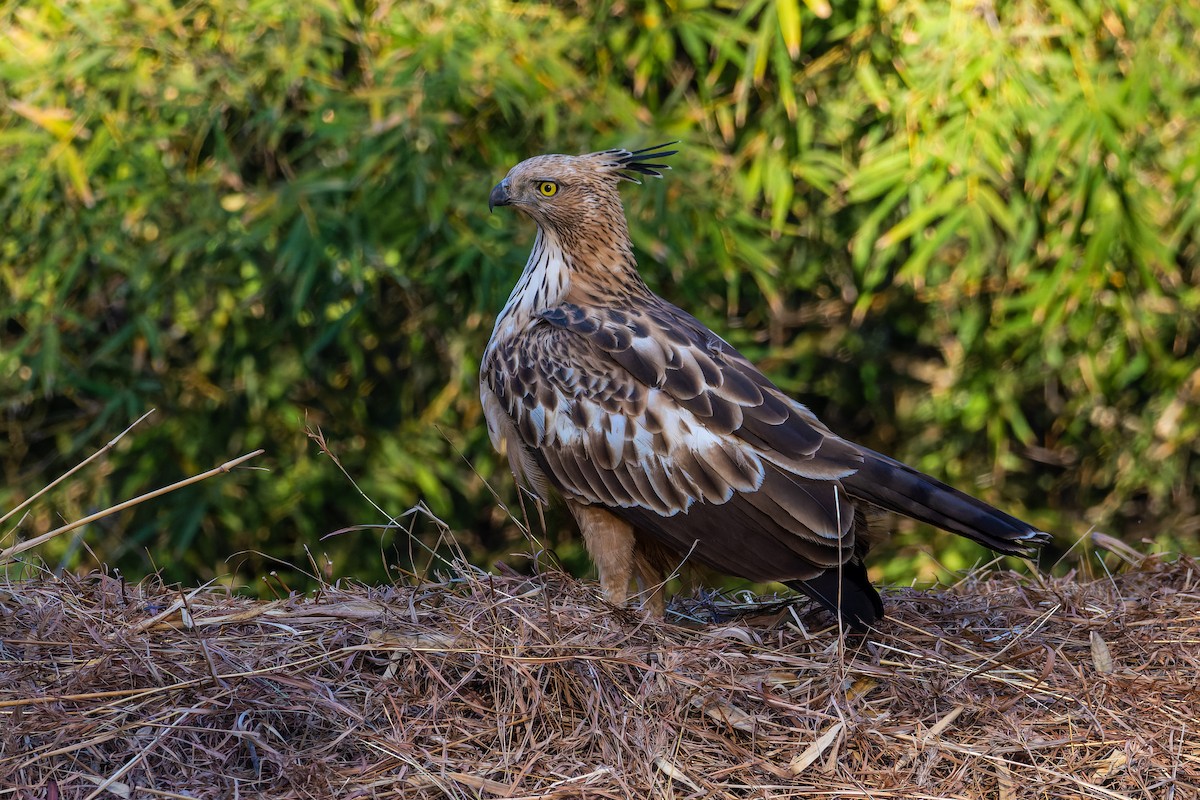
[665,461]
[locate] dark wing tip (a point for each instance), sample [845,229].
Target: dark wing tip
[639,162]
[847,592]
[1032,541]
[1024,544]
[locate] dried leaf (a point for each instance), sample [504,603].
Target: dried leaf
[943,723]
[1101,655]
[737,633]
[1004,780]
[482,784]
[861,687]
[1118,548]
[674,773]
[725,712]
[814,751]
[1116,762]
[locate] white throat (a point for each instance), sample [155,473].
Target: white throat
[543,284]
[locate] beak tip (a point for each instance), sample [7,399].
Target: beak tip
[498,197]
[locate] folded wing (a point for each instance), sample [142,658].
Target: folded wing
[647,413]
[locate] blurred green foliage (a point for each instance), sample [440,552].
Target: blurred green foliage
[965,233]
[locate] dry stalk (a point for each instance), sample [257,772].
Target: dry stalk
[112,442]
[8,554]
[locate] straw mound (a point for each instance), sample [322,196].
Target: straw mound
[484,686]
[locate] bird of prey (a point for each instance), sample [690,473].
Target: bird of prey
[667,443]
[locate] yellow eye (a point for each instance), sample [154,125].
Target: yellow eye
[548,188]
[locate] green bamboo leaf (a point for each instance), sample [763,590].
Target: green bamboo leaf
[788,12]
[784,81]
[820,8]
[817,172]
[914,269]
[994,207]
[59,122]
[1018,422]
[872,84]
[761,49]
[879,176]
[946,200]
[780,189]
[72,164]
[866,237]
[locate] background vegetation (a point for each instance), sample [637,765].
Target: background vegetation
[965,233]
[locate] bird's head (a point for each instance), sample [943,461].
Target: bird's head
[566,194]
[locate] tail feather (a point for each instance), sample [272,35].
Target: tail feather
[888,484]
[846,591]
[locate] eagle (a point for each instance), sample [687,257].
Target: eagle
[666,443]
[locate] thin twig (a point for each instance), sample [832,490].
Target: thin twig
[6,556]
[78,466]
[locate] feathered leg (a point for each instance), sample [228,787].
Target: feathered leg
[610,543]
[620,553]
[651,564]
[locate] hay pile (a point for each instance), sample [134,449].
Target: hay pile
[486,686]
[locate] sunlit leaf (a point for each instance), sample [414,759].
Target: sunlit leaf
[788,12]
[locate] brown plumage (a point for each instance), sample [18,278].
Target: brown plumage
[664,440]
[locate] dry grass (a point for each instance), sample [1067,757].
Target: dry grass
[506,686]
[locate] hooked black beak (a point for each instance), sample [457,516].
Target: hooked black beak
[499,195]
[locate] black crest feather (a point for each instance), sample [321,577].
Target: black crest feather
[640,161]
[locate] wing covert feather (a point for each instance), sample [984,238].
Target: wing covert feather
[604,437]
[646,412]
[663,347]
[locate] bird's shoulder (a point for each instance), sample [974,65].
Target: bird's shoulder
[544,365]
[600,434]
[640,405]
[648,343]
